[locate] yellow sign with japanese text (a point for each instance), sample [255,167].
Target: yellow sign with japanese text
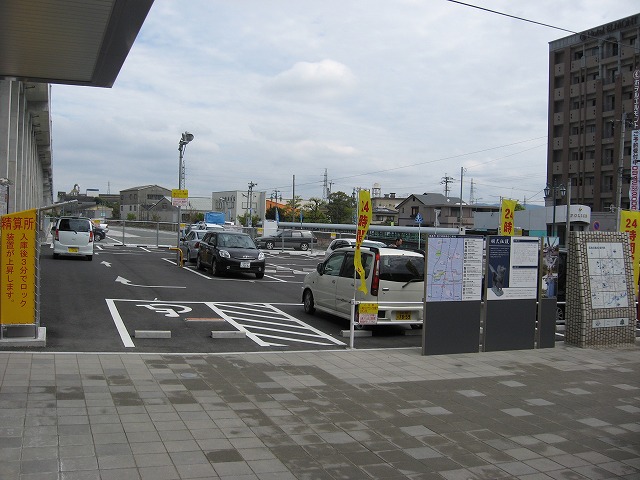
[179,198]
[506,217]
[18,264]
[364,220]
[368,313]
[630,222]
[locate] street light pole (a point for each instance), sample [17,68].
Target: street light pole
[184,140]
[552,190]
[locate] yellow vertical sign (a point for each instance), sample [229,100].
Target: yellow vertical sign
[630,222]
[364,220]
[506,217]
[18,265]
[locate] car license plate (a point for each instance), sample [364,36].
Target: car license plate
[403,315]
[245,264]
[73,249]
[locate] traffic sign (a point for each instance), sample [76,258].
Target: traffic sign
[419,219]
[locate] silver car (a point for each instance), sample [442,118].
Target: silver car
[350,242]
[394,278]
[189,244]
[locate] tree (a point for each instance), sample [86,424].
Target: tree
[242,219]
[131,216]
[293,209]
[340,208]
[115,210]
[315,211]
[270,214]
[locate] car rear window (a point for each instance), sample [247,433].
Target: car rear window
[74,225]
[401,268]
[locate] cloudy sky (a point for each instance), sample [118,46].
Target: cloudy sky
[400,93]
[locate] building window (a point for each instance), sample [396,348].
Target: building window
[607,183]
[415,211]
[610,103]
[607,156]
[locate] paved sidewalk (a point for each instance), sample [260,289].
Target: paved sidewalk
[563,413]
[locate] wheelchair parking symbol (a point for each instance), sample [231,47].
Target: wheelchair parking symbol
[171,310]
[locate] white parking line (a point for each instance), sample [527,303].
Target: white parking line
[117,319]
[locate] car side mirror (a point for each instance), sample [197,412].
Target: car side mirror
[320,268]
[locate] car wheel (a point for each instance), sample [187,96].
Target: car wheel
[268,245]
[304,247]
[215,271]
[89,257]
[259,275]
[189,256]
[307,300]
[199,264]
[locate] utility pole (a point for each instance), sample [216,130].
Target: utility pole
[471,193]
[461,176]
[293,201]
[325,186]
[446,180]
[250,202]
[623,123]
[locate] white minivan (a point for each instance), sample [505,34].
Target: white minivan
[73,236]
[394,278]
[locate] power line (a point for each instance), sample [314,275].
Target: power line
[522,19]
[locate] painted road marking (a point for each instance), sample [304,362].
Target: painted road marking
[264,323]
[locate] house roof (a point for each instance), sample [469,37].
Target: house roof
[144,187]
[432,200]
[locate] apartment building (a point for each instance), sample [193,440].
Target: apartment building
[591,104]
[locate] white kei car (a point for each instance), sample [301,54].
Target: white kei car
[394,279]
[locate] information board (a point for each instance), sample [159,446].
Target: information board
[454,268]
[512,267]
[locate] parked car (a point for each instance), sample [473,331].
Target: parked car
[351,242]
[99,232]
[189,244]
[391,275]
[208,226]
[73,236]
[297,239]
[226,251]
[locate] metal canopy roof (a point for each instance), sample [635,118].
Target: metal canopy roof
[75,42]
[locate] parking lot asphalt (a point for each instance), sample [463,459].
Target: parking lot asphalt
[560,413]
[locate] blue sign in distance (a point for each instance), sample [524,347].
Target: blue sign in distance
[418,218]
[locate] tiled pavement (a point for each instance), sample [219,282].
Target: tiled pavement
[563,413]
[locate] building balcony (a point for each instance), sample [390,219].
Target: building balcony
[558,143]
[558,118]
[592,61]
[589,165]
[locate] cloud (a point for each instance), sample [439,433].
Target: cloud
[322,81]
